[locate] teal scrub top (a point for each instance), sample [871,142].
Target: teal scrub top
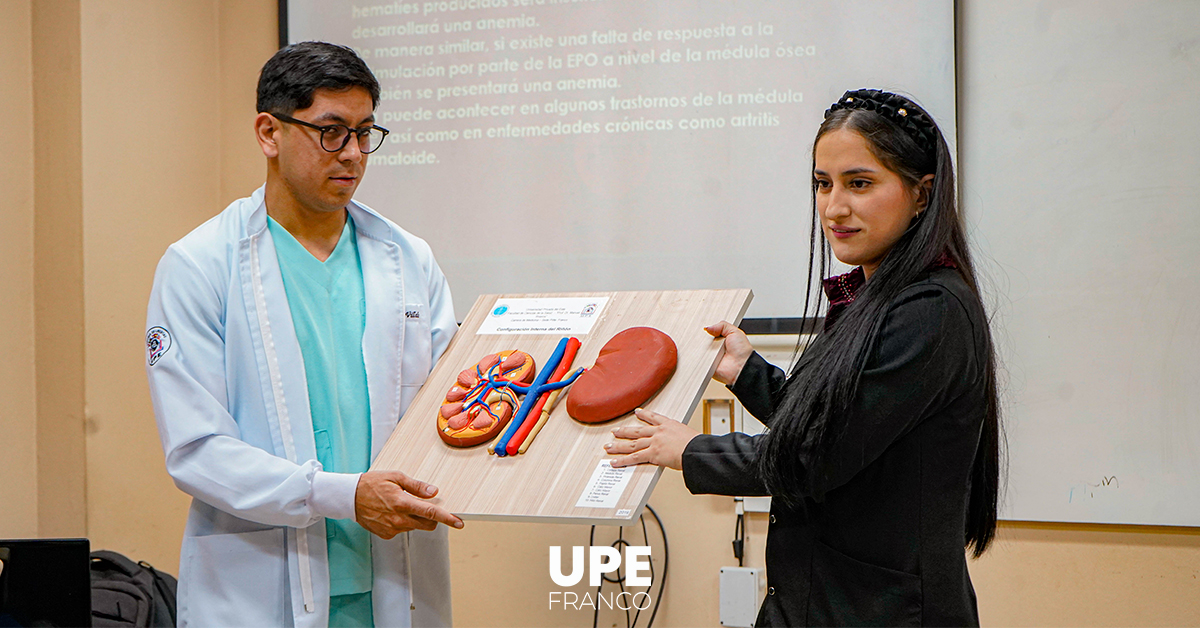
[328,306]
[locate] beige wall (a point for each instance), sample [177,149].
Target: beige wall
[1090,575]
[151,155]
[248,37]
[133,149]
[58,270]
[152,135]
[153,118]
[18,399]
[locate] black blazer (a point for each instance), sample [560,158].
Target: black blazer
[879,538]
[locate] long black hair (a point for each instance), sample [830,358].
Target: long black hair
[905,139]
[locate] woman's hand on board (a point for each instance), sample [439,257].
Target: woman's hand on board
[657,440]
[737,351]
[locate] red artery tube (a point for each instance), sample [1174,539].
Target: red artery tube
[564,366]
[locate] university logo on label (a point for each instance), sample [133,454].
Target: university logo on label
[158,341]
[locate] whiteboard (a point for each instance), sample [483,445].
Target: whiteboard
[1080,173]
[646,144]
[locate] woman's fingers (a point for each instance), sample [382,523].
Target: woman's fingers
[737,351]
[653,418]
[650,420]
[658,440]
[638,457]
[720,329]
[633,431]
[627,446]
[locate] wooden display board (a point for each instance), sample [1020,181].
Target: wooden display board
[545,483]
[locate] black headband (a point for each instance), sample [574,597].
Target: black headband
[899,110]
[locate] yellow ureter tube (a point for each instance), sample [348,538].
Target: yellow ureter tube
[546,410]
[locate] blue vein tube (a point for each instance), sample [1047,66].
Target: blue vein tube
[535,391]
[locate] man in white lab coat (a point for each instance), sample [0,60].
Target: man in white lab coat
[276,377]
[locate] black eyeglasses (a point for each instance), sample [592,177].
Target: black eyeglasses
[334,137]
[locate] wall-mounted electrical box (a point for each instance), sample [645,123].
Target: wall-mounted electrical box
[741,595]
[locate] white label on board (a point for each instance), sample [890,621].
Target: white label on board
[557,315]
[605,487]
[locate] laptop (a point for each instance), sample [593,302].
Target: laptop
[45,582]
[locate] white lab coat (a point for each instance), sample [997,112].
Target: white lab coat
[231,400]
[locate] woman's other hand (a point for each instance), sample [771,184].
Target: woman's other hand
[737,351]
[657,440]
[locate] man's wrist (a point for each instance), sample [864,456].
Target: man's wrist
[333,494]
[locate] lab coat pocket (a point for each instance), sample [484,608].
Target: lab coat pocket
[849,592]
[324,450]
[234,579]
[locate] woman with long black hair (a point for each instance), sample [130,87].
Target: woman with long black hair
[883,449]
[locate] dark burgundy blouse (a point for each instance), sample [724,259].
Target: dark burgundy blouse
[841,290]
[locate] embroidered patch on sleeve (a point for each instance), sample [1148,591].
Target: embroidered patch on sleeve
[158,340]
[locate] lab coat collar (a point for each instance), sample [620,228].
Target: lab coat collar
[366,221]
[383,340]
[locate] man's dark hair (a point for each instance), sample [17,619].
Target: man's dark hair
[289,78]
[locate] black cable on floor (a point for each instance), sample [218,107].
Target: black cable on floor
[620,543]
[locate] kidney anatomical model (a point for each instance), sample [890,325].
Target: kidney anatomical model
[480,403]
[630,369]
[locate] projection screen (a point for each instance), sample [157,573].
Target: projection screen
[591,145]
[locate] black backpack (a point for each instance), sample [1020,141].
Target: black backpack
[125,593]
